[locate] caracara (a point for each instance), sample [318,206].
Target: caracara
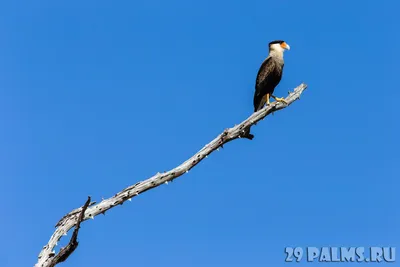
[269,75]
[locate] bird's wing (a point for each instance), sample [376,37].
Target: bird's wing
[263,73]
[266,68]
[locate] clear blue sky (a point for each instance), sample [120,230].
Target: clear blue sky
[98,95]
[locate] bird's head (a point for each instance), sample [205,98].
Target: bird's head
[278,46]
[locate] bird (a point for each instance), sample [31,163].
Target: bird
[269,75]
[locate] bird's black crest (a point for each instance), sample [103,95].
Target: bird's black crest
[276,42]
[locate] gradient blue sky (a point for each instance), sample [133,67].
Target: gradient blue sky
[96,96]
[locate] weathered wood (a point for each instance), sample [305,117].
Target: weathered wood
[47,256]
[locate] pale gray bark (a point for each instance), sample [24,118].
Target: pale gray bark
[48,257]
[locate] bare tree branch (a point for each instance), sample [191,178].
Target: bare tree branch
[48,258]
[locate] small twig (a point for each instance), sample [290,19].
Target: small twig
[66,251]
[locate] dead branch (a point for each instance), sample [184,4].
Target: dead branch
[48,258]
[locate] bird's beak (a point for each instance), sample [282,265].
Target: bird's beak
[284,45]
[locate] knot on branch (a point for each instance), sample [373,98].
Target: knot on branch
[246,133]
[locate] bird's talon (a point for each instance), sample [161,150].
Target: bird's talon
[281,99]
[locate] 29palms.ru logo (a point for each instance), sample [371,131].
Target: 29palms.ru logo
[341,254]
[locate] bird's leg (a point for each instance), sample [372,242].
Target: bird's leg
[279,99]
[267,99]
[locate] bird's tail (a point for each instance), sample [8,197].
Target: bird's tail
[259,102]
[260,105]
